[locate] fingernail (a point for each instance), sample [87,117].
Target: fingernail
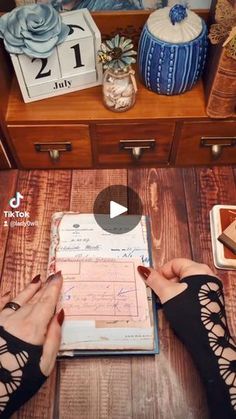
[60,317]
[6,294]
[35,279]
[55,276]
[144,272]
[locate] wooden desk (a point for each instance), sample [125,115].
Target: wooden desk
[178,201]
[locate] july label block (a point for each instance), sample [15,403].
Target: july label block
[72,66]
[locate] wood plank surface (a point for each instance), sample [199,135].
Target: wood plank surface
[86,185]
[93,388]
[165,386]
[27,254]
[96,388]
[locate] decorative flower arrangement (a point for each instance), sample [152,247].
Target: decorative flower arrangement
[119,85]
[117,53]
[33,30]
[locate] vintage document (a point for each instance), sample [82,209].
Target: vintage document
[103,290]
[107,305]
[78,235]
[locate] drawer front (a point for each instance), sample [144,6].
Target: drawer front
[207,143]
[52,146]
[133,144]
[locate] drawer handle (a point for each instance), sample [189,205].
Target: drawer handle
[53,149]
[217,144]
[54,154]
[136,147]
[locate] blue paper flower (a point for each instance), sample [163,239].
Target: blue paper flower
[117,53]
[33,30]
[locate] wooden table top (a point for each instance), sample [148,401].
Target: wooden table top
[139,387]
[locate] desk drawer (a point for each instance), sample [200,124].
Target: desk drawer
[118,145]
[52,146]
[207,143]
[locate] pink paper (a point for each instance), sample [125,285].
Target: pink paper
[103,290]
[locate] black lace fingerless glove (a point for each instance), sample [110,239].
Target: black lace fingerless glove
[198,318]
[20,374]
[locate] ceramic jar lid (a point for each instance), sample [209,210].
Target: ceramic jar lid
[175,24]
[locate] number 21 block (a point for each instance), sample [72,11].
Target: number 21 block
[72,66]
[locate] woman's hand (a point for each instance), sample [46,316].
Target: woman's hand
[198,319]
[165,281]
[35,322]
[30,334]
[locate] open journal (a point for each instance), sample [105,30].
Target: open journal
[108,308]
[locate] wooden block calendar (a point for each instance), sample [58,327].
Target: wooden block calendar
[72,66]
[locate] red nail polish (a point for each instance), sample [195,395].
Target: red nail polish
[6,294]
[35,279]
[144,272]
[57,275]
[52,277]
[60,317]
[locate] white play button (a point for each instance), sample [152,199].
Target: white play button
[110,209]
[116,209]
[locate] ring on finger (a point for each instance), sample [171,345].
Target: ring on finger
[12,305]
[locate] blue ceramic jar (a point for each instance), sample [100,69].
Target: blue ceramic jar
[172,50]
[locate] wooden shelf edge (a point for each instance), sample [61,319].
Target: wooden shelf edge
[87,106]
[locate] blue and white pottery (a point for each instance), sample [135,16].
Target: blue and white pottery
[172,50]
